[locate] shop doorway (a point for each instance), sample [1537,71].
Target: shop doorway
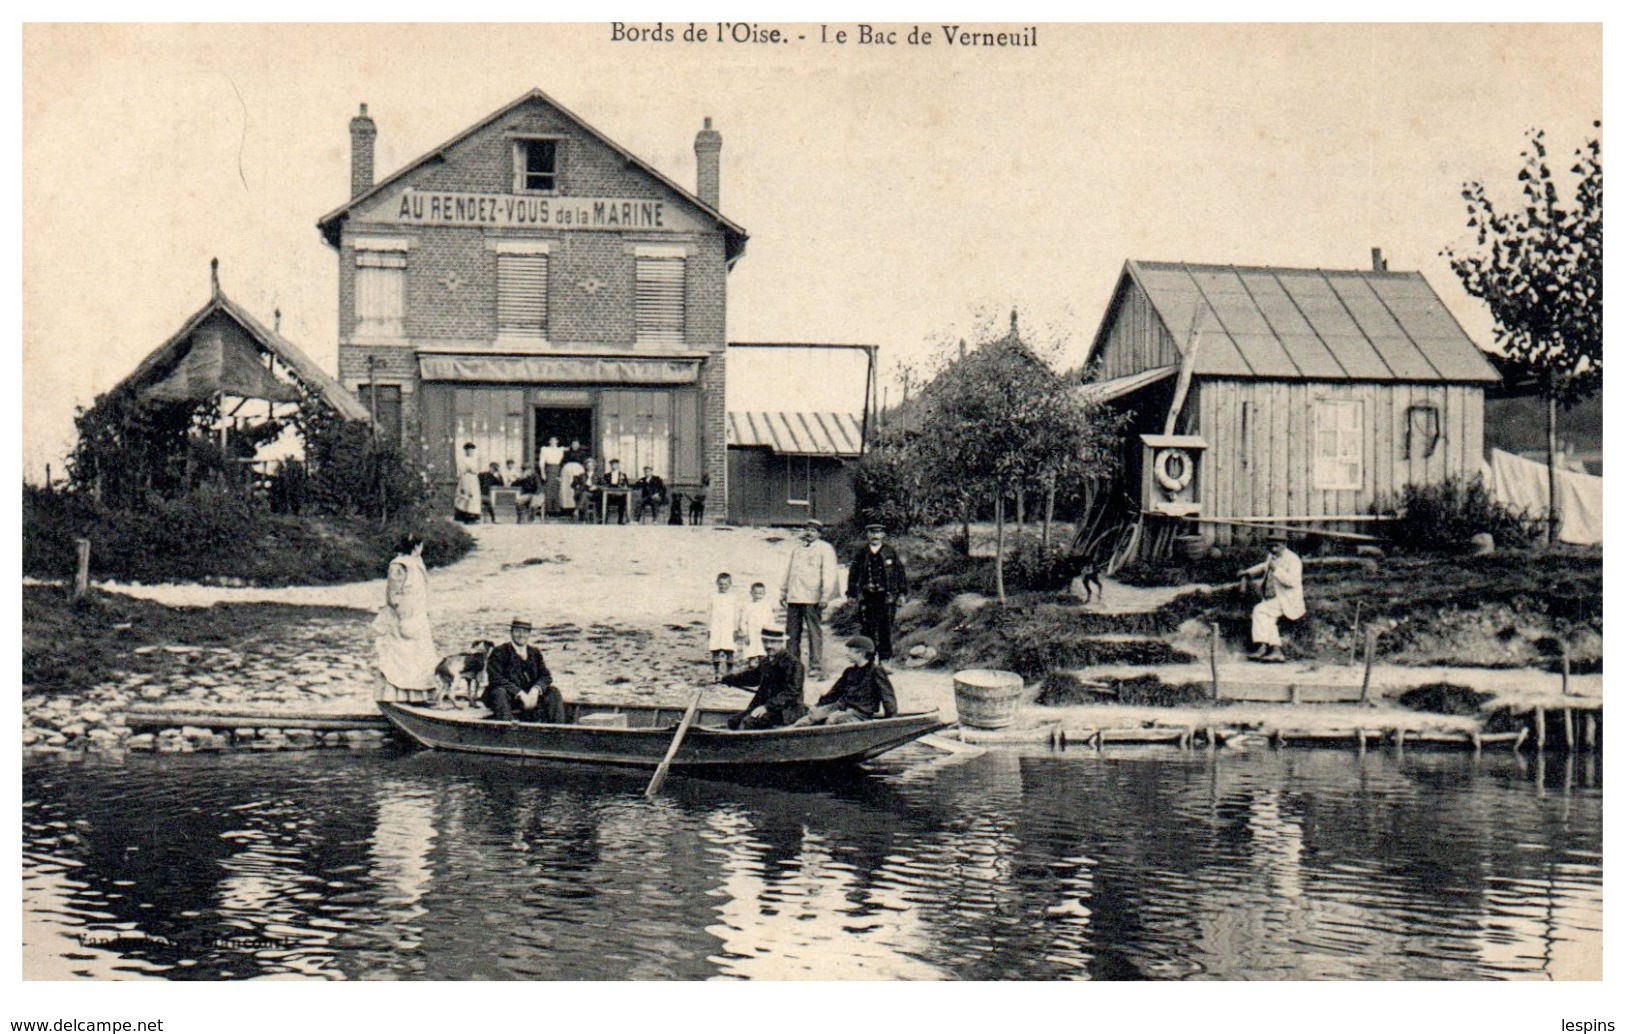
[566,423]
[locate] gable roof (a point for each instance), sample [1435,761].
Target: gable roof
[179,347]
[797,434]
[1275,323]
[734,234]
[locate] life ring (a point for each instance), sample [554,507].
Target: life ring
[1174,482]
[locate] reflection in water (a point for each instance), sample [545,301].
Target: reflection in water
[1145,864]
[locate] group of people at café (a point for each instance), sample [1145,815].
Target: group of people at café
[570,483]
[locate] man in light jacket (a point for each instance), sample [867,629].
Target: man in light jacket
[1282,573]
[811,580]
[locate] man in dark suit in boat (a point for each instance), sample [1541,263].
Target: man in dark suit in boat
[863,691]
[778,679]
[519,687]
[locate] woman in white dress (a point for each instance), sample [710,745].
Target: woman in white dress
[468,503]
[550,461]
[406,650]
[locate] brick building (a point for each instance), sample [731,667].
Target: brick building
[529,279]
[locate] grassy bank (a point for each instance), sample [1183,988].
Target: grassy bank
[218,537]
[1507,610]
[70,646]
[1510,609]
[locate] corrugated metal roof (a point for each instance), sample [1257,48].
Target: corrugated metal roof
[1311,324]
[798,434]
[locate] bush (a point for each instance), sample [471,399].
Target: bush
[1443,517]
[1444,698]
[1033,567]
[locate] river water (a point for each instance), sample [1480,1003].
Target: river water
[1138,864]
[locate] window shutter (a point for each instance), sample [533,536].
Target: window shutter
[660,309]
[522,295]
[380,294]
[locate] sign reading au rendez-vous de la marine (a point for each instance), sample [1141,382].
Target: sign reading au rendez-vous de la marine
[451,208]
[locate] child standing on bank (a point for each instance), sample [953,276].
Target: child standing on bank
[725,626]
[757,615]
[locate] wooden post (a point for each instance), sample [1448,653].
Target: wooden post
[1568,730]
[1359,739]
[1354,645]
[1213,658]
[1588,731]
[1563,645]
[81,576]
[1399,739]
[1540,729]
[1370,654]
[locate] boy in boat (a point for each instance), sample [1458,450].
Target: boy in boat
[519,687]
[863,691]
[778,679]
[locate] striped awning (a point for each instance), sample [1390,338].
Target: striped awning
[798,434]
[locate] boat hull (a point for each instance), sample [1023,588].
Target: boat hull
[705,746]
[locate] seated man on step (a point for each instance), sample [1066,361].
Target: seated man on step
[1282,574]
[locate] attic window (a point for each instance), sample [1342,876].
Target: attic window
[536,165]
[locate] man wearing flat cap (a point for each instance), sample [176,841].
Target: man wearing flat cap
[811,580]
[1282,575]
[519,687]
[863,691]
[778,679]
[877,581]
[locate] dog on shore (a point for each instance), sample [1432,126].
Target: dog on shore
[463,674]
[1085,584]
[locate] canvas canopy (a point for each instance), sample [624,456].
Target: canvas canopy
[217,364]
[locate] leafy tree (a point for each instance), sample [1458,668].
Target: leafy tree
[999,419]
[1538,266]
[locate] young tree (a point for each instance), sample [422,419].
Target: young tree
[1000,418]
[1538,266]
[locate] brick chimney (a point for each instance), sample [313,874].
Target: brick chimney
[363,131]
[1378,263]
[708,159]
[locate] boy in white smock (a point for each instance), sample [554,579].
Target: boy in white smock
[758,614]
[725,626]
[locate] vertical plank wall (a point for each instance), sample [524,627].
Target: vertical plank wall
[1137,340]
[1270,472]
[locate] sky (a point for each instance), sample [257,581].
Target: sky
[895,195]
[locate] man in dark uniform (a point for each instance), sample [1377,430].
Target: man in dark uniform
[778,679]
[877,581]
[519,687]
[863,691]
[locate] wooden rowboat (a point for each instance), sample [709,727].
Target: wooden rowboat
[637,735]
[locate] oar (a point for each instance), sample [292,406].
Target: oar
[676,741]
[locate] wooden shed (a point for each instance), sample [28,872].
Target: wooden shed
[784,468]
[1314,396]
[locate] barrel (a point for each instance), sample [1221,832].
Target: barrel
[987,699]
[1191,547]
